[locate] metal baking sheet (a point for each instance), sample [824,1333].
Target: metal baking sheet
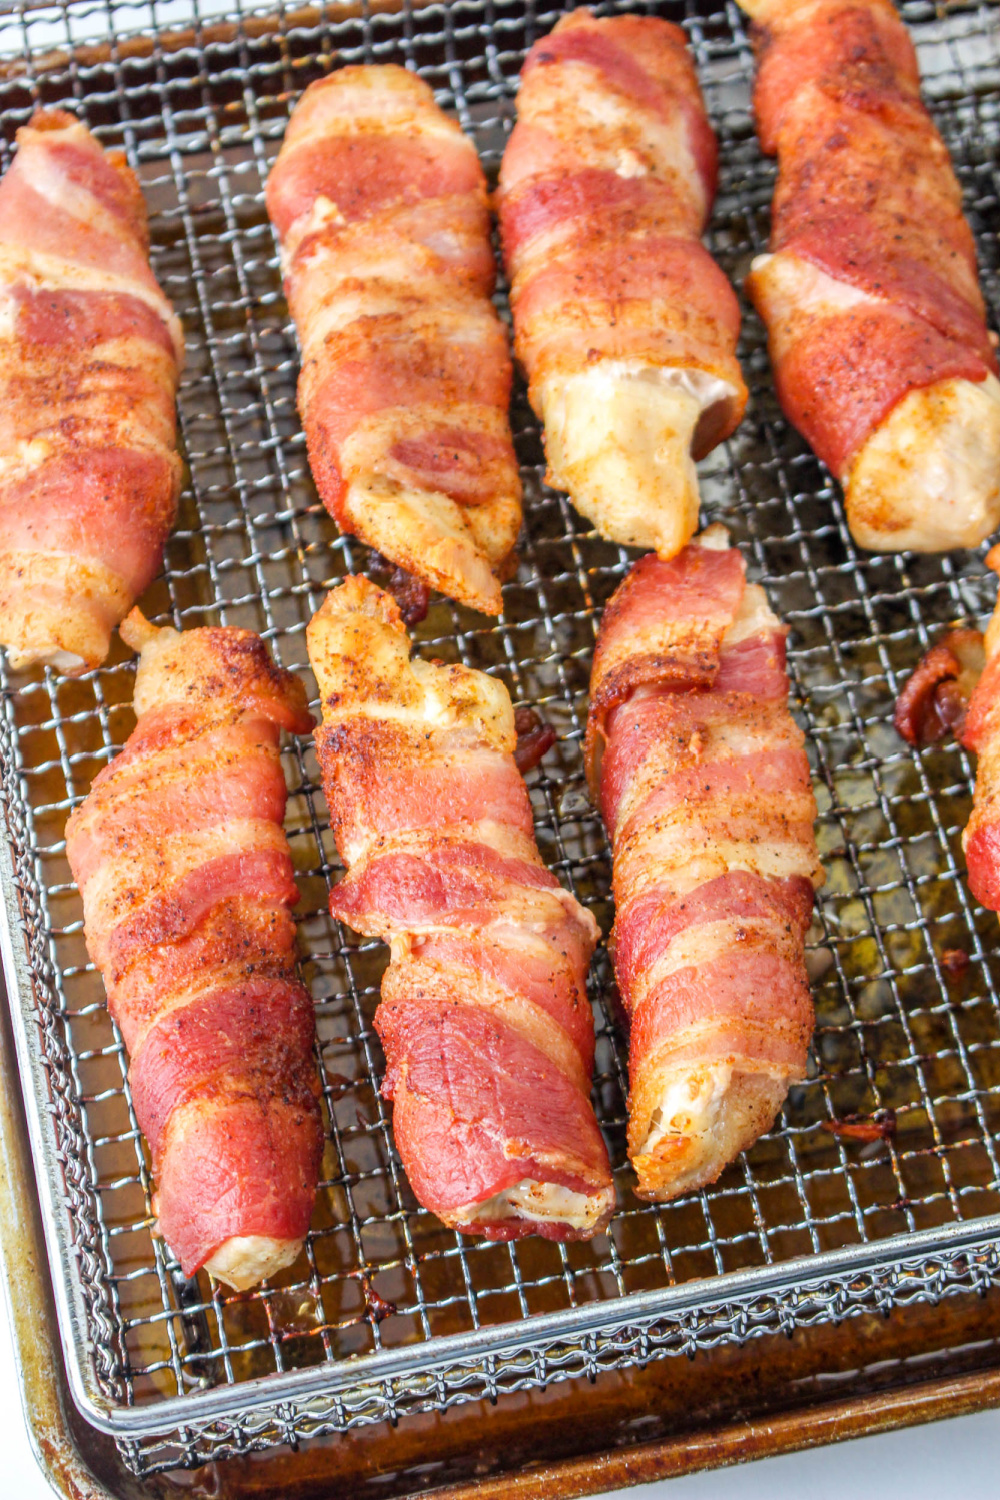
[802,1230]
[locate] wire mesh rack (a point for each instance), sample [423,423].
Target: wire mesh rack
[387,1312]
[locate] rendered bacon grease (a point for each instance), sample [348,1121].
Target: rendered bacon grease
[187,888]
[624,324]
[90,356]
[876,323]
[702,780]
[381,207]
[487,1030]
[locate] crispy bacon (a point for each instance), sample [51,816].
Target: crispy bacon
[187,886]
[381,206]
[90,355]
[534,739]
[624,324]
[877,326]
[701,778]
[980,732]
[488,1035]
[935,698]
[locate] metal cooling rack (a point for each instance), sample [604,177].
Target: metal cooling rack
[388,1313]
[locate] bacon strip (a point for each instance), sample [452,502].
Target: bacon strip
[624,324]
[484,1018]
[380,204]
[90,356]
[700,775]
[187,886]
[956,687]
[979,731]
[935,699]
[876,323]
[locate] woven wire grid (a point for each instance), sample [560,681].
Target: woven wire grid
[902,1025]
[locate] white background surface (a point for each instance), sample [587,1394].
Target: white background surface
[956,1460]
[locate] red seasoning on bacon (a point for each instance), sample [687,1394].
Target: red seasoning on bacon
[876,323]
[90,355]
[380,204]
[187,886]
[700,775]
[624,324]
[488,1034]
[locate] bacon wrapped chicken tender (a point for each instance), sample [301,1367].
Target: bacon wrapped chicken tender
[380,204]
[876,323]
[487,1030]
[187,886]
[624,324]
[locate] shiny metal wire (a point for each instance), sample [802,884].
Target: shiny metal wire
[388,1313]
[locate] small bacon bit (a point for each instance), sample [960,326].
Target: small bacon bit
[412,596]
[935,698]
[955,962]
[881,1127]
[377,1307]
[534,737]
